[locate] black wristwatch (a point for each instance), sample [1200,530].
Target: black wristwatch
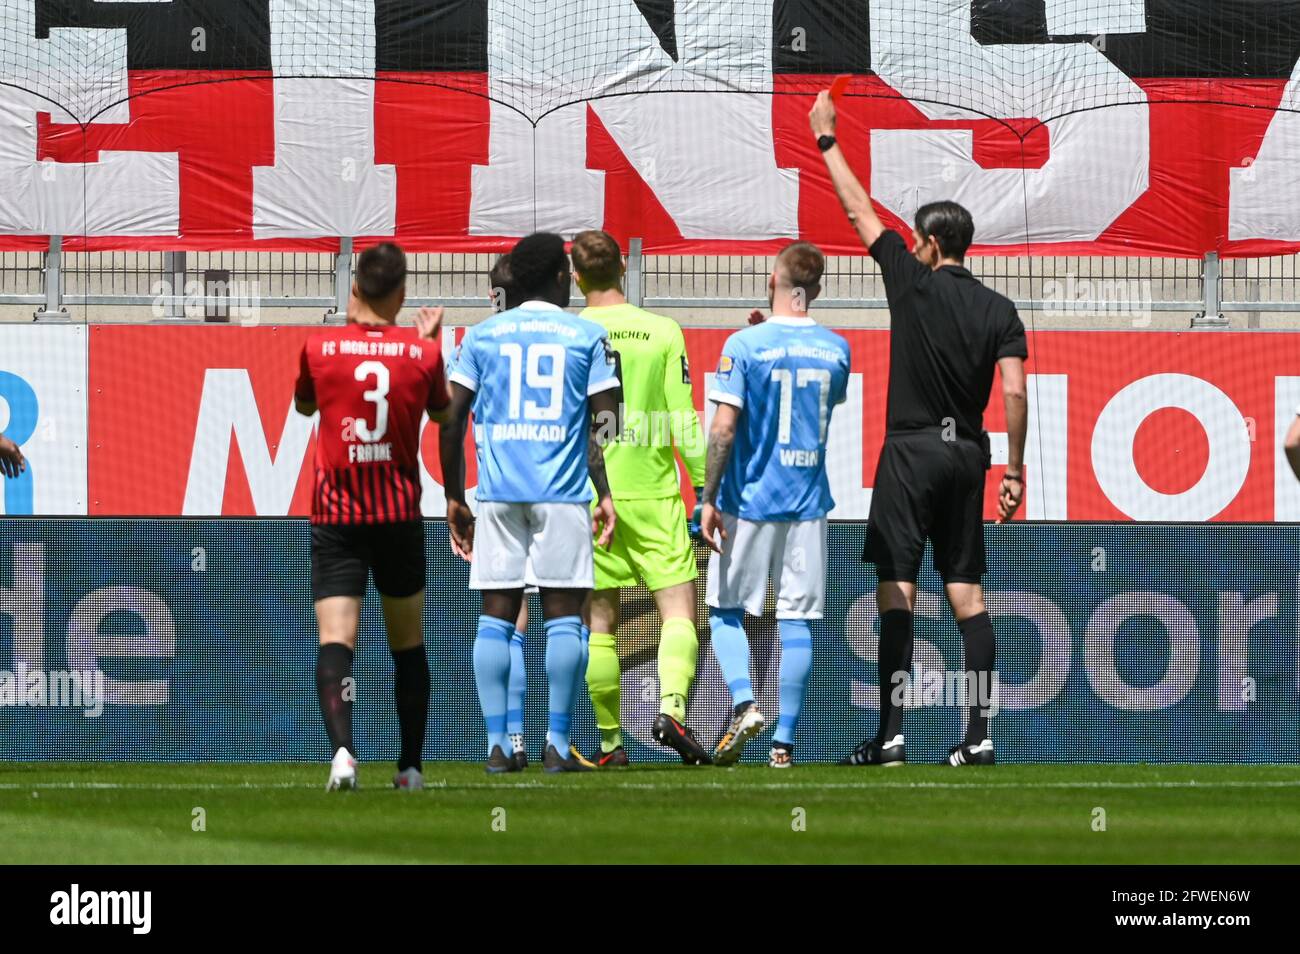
[825,142]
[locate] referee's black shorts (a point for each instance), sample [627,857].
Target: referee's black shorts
[342,556]
[928,487]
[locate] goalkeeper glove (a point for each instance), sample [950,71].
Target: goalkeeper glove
[694,523]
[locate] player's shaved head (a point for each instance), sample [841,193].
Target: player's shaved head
[949,224]
[541,268]
[597,260]
[799,267]
[381,271]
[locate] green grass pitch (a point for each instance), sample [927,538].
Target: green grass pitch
[54,813]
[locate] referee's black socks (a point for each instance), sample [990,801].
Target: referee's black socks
[980,646]
[895,664]
[334,688]
[411,692]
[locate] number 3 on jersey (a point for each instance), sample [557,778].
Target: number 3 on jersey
[378,396]
[526,367]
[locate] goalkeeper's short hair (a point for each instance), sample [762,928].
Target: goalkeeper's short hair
[597,260]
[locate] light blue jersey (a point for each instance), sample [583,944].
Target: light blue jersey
[532,369]
[785,375]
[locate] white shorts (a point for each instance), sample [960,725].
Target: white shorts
[793,554]
[512,539]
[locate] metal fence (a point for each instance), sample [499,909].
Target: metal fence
[179,285]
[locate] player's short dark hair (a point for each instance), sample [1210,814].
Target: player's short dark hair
[381,270]
[951,226]
[502,277]
[802,264]
[536,260]
[597,258]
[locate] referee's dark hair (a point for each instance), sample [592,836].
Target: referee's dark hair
[381,271]
[950,225]
[541,269]
[799,266]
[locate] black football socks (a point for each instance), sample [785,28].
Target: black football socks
[980,646]
[894,660]
[334,688]
[411,691]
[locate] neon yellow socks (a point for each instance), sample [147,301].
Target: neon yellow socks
[678,648]
[603,676]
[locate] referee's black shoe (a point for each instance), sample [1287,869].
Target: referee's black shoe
[678,737]
[872,752]
[979,754]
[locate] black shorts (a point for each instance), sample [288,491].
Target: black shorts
[928,487]
[342,555]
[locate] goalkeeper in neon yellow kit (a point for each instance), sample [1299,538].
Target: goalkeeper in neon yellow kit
[652,542]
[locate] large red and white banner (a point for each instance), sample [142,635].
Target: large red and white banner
[1133,425]
[1167,127]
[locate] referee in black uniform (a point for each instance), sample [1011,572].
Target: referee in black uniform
[947,335]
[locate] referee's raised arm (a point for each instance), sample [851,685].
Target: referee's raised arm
[854,198]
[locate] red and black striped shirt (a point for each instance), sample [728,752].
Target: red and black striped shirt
[372,385]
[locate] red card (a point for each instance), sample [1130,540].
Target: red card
[840,84]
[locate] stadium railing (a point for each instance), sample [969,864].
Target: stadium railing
[143,285]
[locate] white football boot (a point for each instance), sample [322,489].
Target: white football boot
[409,780]
[343,772]
[743,728]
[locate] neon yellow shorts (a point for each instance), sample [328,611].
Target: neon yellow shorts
[651,542]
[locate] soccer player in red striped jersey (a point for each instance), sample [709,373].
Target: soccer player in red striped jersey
[372,382]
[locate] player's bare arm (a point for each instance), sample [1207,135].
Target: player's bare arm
[428,324]
[12,462]
[1016,401]
[854,198]
[722,435]
[604,427]
[451,454]
[1292,446]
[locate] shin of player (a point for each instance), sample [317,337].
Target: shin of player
[539,429]
[766,493]
[371,383]
[504,297]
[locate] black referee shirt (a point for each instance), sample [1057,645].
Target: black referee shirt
[947,334]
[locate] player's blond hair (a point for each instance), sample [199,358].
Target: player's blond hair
[800,266]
